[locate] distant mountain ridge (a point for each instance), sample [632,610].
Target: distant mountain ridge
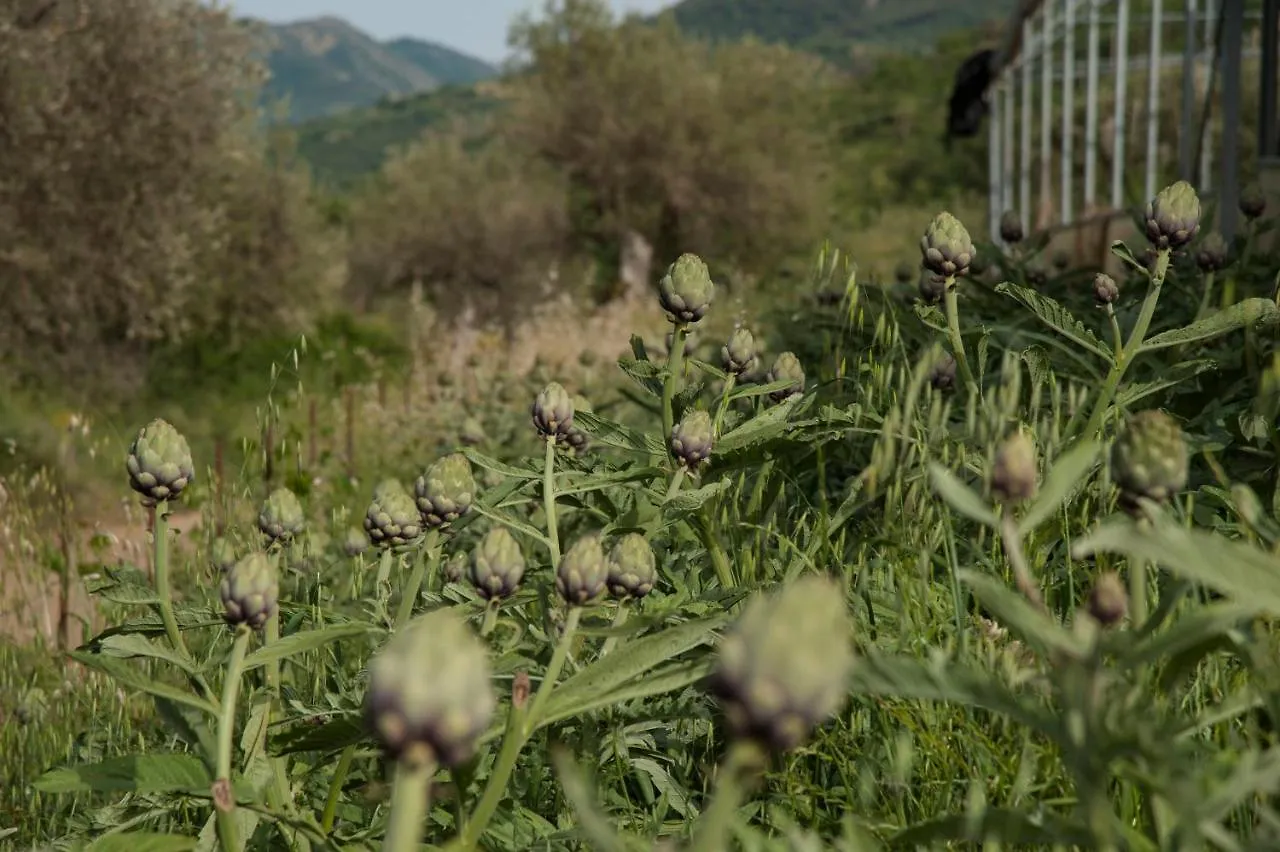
[325,66]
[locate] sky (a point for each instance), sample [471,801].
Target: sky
[477,27]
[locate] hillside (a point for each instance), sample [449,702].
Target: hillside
[326,66]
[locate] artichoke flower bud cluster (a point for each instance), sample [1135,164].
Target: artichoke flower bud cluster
[1149,458]
[222,555]
[692,438]
[281,517]
[159,463]
[1013,470]
[444,492]
[942,375]
[430,692]
[1108,600]
[578,440]
[739,353]
[932,286]
[686,290]
[1105,290]
[552,412]
[455,567]
[633,570]
[392,519]
[497,565]
[1173,216]
[583,571]
[783,668]
[946,247]
[250,591]
[1211,256]
[1253,202]
[355,542]
[786,368]
[1011,228]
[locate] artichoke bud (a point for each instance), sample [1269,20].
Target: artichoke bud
[1212,253]
[946,247]
[686,290]
[583,571]
[1105,290]
[552,412]
[942,375]
[786,368]
[281,517]
[578,440]
[249,591]
[633,569]
[1011,228]
[739,353]
[904,272]
[222,555]
[445,491]
[1109,600]
[1149,458]
[1037,275]
[1173,216]
[355,542]
[472,432]
[932,287]
[692,438]
[392,519]
[455,568]
[1013,471]
[430,691]
[1253,202]
[783,668]
[497,565]
[159,463]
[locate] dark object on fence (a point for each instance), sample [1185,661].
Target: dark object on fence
[968,105]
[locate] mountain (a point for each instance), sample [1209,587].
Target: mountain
[325,66]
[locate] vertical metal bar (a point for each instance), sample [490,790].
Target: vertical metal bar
[1068,108]
[1153,97]
[1009,171]
[1024,153]
[995,163]
[1122,97]
[1211,61]
[1091,108]
[1268,143]
[1232,47]
[1046,111]
[1187,120]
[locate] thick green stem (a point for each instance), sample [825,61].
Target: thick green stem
[549,502]
[1117,336]
[164,593]
[957,342]
[335,788]
[677,479]
[713,827]
[226,734]
[724,405]
[409,595]
[675,372]
[410,801]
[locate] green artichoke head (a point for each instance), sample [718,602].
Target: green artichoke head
[472,432]
[942,375]
[783,668]
[497,565]
[1173,216]
[1013,470]
[686,290]
[159,463]
[946,247]
[355,542]
[1109,600]
[1149,458]
[392,519]
[445,491]
[430,692]
[692,438]
[633,570]
[222,554]
[739,353]
[786,368]
[281,517]
[552,412]
[455,567]
[250,591]
[583,571]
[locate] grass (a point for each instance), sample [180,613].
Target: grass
[991,701]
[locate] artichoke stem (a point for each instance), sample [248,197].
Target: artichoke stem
[957,342]
[675,371]
[410,802]
[409,595]
[549,501]
[677,479]
[724,405]
[1117,337]
[164,591]
[226,734]
[335,788]
[713,829]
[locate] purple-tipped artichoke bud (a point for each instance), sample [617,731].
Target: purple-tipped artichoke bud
[392,519]
[249,591]
[686,290]
[159,463]
[1109,600]
[931,286]
[1211,256]
[1253,202]
[739,353]
[444,492]
[1061,260]
[497,565]
[1173,216]
[633,570]
[222,555]
[552,412]
[946,247]
[1011,228]
[583,571]
[472,432]
[455,567]
[942,376]
[578,440]
[1013,471]
[1149,458]
[786,368]
[1105,290]
[281,517]
[904,272]
[430,691]
[783,668]
[355,542]
[692,438]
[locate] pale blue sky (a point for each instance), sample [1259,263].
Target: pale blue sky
[478,27]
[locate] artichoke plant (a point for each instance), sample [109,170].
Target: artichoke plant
[739,353]
[583,571]
[497,565]
[250,591]
[783,668]
[455,567]
[281,517]
[946,247]
[1173,216]
[222,555]
[355,542]
[786,368]
[392,519]
[1149,458]
[1253,202]
[931,286]
[1013,471]
[159,463]
[552,412]
[942,375]
[578,440]
[1011,228]
[1211,256]
[1105,289]
[1109,600]
[430,691]
[472,432]
[632,567]
[445,491]
[692,438]
[686,290]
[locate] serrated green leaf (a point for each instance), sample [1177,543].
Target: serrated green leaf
[769,424]
[1014,612]
[481,460]
[1249,313]
[687,501]
[961,497]
[139,773]
[618,436]
[300,643]
[333,735]
[1066,477]
[135,646]
[129,677]
[646,374]
[1175,375]
[580,791]
[1011,828]
[128,588]
[659,682]
[1120,250]
[753,390]
[932,317]
[1193,631]
[601,481]
[1056,317]
[141,841]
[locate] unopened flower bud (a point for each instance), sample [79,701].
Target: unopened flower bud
[786,368]
[1173,216]
[222,555]
[1013,471]
[1211,256]
[932,286]
[472,432]
[946,247]
[632,567]
[552,412]
[904,272]
[1061,260]
[1109,600]
[455,567]
[692,438]
[355,542]
[739,353]
[686,290]
[392,519]
[583,571]
[159,463]
[497,565]
[1253,202]
[249,590]
[281,517]
[1105,290]
[445,491]
[942,375]
[1011,228]
[1149,458]
[578,440]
